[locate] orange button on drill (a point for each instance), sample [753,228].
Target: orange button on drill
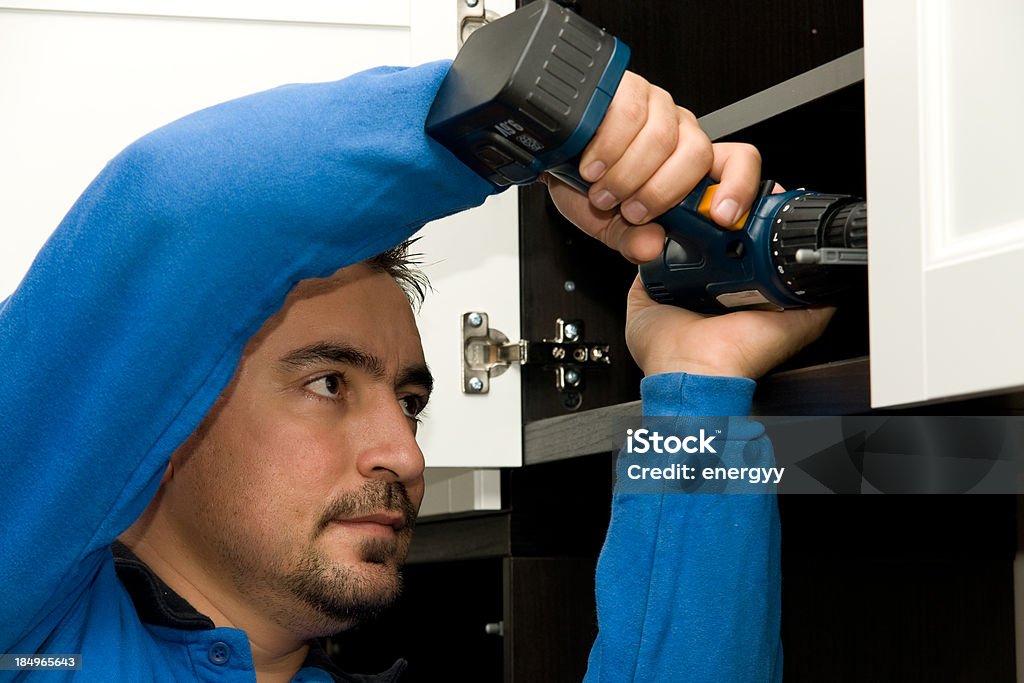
[704,209]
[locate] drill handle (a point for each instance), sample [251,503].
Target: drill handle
[568,173]
[688,222]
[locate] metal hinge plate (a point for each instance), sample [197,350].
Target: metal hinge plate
[487,353]
[472,15]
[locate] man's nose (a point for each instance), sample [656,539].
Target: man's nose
[388,450]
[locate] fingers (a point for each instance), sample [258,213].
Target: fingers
[638,301]
[737,167]
[625,118]
[813,324]
[779,336]
[637,243]
[647,154]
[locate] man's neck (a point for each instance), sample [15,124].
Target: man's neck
[277,653]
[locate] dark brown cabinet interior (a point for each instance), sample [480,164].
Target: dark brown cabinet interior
[875,588]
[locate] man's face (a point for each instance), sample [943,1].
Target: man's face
[301,487]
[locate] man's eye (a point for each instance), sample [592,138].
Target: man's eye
[327,387]
[412,405]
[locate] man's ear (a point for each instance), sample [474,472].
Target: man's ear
[168,473]
[189,446]
[183,452]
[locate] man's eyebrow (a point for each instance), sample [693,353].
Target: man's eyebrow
[418,376]
[333,352]
[336,352]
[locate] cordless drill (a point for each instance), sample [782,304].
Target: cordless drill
[526,94]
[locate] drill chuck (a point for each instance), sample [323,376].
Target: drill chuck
[847,227]
[807,231]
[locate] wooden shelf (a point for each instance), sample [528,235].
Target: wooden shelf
[840,388]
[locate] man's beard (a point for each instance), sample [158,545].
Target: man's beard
[344,594]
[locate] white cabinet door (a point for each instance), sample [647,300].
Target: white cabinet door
[945,161]
[80,79]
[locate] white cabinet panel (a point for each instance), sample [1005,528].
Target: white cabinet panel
[353,12]
[944,151]
[80,79]
[472,260]
[75,88]
[454,489]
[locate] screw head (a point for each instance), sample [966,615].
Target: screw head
[572,377]
[475,319]
[570,286]
[476,385]
[570,331]
[572,400]
[472,3]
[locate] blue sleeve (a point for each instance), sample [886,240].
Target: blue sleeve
[688,585]
[133,316]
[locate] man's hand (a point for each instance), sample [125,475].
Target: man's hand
[666,338]
[644,159]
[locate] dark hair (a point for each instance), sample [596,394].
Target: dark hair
[402,266]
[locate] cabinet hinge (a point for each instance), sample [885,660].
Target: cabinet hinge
[472,15]
[487,353]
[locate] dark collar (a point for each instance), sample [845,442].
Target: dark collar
[157,604]
[154,600]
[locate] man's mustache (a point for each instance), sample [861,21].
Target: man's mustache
[372,498]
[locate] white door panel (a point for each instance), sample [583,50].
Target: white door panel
[472,259]
[80,79]
[352,12]
[944,152]
[75,88]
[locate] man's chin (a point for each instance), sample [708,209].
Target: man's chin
[347,590]
[346,544]
[373,559]
[389,552]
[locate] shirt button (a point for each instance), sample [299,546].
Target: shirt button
[220,653]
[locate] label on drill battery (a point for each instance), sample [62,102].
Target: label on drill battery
[514,130]
[746,299]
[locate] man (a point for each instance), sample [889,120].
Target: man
[207,362]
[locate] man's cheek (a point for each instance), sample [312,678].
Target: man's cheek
[415,491]
[294,450]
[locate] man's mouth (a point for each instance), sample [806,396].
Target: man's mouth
[385,524]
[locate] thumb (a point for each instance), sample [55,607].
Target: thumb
[638,299]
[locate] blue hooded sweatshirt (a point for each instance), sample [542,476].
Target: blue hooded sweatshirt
[133,318]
